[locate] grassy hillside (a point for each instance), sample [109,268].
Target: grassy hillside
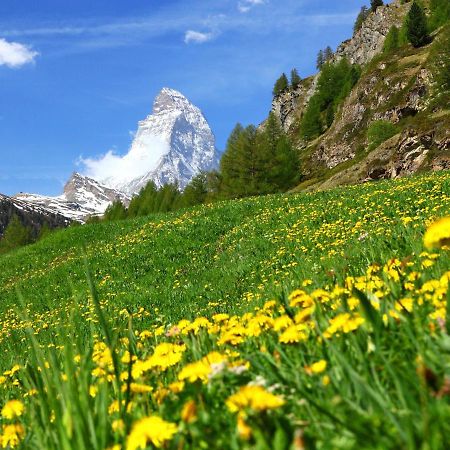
[315,320]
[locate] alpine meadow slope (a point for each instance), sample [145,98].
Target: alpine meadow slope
[278,322]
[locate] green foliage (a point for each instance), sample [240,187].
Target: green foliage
[392,41]
[320,60]
[16,235]
[258,162]
[439,13]
[334,85]
[374,4]
[281,85]
[115,211]
[295,79]
[416,26]
[440,55]
[379,132]
[361,18]
[196,192]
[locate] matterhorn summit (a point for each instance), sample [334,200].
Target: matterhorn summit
[171,145]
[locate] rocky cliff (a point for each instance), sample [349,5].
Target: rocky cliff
[399,88]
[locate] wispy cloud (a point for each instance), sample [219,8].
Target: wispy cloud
[197,37]
[245,6]
[14,55]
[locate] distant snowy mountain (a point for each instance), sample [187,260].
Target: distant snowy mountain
[171,145]
[31,215]
[82,197]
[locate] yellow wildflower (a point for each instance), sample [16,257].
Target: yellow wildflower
[317,367]
[13,409]
[12,435]
[253,397]
[438,234]
[150,430]
[189,412]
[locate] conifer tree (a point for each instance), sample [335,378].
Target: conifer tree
[328,54]
[16,235]
[392,41]
[320,60]
[196,191]
[374,4]
[295,79]
[416,26]
[281,85]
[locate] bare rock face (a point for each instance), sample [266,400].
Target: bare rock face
[291,104]
[369,39]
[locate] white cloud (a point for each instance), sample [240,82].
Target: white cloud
[143,157]
[246,5]
[197,37]
[13,54]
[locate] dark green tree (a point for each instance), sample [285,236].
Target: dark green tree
[320,60]
[295,79]
[392,41]
[328,54]
[281,85]
[115,211]
[16,235]
[361,18]
[228,167]
[416,25]
[196,191]
[374,4]
[334,85]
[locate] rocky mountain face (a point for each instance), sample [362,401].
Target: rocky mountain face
[82,197]
[179,140]
[30,215]
[398,88]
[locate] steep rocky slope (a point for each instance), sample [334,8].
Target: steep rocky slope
[399,88]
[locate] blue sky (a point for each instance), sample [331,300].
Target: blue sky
[76,76]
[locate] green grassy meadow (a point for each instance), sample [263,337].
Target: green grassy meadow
[298,321]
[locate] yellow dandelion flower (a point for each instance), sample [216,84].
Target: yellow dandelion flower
[13,409]
[12,435]
[255,398]
[150,430]
[317,367]
[438,234]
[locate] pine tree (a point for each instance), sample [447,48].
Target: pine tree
[361,18]
[328,54]
[115,211]
[320,60]
[196,191]
[392,41]
[281,85]
[416,26]
[229,169]
[295,79]
[374,4]
[16,235]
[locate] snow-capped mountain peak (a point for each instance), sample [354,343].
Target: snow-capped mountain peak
[171,145]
